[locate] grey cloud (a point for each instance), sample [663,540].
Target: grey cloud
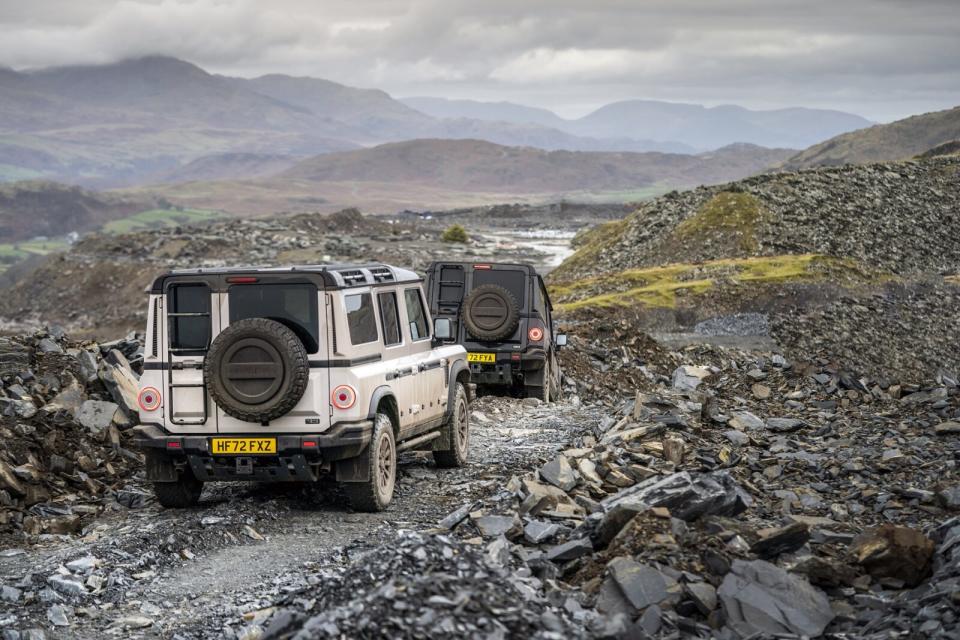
[883,58]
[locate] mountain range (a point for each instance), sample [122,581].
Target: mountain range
[691,125]
[140,120]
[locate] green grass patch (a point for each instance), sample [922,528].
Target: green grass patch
[13,252]
[726,218]
[160,219]
[661,287]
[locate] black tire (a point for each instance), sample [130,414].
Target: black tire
[277,370]
[457,433]
[181,494]
[541,392]
[375,493]
[490,312]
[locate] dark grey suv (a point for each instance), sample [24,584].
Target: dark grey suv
[502,315]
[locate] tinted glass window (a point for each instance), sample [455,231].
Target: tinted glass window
[191,332]
[360,318]
[389,317]
[513,281]
[451,284]
[293,305]
[416,317]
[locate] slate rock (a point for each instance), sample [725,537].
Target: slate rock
[96,415]
[703,595]
[784,425]
[641,584]
[67,585]
[559,473]
[745,421]
[538,531]
[687,496]
[760,598]
[493,525]
[688,378]
[892,551]
[570,550]
[947,428]
[782,540]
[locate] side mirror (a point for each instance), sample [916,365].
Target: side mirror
[442,329]
[561,339]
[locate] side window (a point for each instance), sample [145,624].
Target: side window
[389,317]
[191,331]
[360,318]
[416,318]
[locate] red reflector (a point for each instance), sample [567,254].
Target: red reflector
[242,280]
[482,266]
[173,445]
[309,443]
[515,356]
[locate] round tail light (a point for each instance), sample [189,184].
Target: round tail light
[535,334]
[344,397]
[149,399]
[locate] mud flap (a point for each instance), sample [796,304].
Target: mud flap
[356,469]
[159,467]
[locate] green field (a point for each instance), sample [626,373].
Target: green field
[161,218]
[13,252]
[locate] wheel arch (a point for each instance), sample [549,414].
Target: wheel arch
[384,398]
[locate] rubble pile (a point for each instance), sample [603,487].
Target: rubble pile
[423,586]
[65,408]
[743,494]
[897,217]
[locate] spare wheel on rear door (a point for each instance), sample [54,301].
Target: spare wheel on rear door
[490,312]
[256,370]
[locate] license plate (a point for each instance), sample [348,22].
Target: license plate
[242,446]
[481,357]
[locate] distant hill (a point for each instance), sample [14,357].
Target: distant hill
[673,126]
[126,123]
[496,111]
[37,208]
[483,166]
[229,166]
[439,174]
[884,142]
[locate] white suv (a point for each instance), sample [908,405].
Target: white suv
[289,373]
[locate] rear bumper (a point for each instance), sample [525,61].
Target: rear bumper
[297,457]
[509,369]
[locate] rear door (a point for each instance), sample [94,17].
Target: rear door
[191,322]
[300,306]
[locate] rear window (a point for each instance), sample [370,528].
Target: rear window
[451,284]
[513,281]
[191,331]
[360,318]
[293,305]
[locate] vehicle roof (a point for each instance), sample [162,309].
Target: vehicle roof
[526,266]
[334,276]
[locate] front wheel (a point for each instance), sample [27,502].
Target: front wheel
[375,493]
[456,433]
[183,493]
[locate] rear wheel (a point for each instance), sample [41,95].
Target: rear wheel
[375,493]
[457,431]
[185,492]
[542,391]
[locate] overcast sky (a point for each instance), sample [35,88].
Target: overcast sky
[883,59]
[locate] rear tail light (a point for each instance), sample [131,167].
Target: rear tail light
[309,444]
[149,399]
[173,444]
[535,334]
[344,397]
